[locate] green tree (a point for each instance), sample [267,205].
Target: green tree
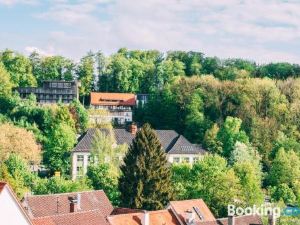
[79,115]
[145,181]
[58,146]
[5,83]
[102,179]
[211,142]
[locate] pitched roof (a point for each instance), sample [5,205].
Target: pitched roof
[112,99]
[243,220]
[2,185]
[170,140]
[93,217]
[160,217]
[198,206]
[54,204]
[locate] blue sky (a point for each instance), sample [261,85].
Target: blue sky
[260,30]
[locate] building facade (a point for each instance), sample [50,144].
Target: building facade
[177,147]
[118,105]
[52,91]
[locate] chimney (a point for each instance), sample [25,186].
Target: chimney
[271,219]
[145,218]
[231,220]
[133,128]
[190,216]
[73,203]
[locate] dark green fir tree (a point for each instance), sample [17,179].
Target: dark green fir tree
[145,181]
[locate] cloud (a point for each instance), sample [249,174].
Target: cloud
[14,2]
[259,29]
[49,51]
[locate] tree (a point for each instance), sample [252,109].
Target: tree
[244,153]
[19,141]
[19,67]
[85,73]
[102,179]
[230,133]
[211,142]
[145,181]
[79,115]
[5,83]
[58,146]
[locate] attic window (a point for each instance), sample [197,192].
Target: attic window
[199,214]
[186,148]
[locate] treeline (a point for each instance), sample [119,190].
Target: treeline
[134,71]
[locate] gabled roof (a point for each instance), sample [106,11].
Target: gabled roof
[93,217]
[112,99]
[197,206]
[160,217]
[171,141]
[55,204]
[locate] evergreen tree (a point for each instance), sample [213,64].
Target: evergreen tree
[145,182]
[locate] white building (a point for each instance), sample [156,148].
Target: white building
[12,212]
[177,147]
[119,106]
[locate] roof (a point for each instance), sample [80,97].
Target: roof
[197,206]
[93,217]
[54,204]
[171,141]
[112,99]
[160,217]
[243,220]
[2,185]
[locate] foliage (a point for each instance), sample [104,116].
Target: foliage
[102,179]
[79,115]
[59,185]
[5,82]
[17,140]
[145,181]
[61,139]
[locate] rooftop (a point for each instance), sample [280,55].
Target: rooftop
[112,99]
[170,140]
[56,204]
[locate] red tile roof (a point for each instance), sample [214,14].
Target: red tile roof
[194,205]
[54,204]
[243,220]
[93,217]
[160,217]
[112,99]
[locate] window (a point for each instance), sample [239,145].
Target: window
[196,159]
[186,159]
[176,160]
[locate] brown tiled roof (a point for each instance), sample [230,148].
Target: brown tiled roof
[197,206]
[243,220]
[55,204]
[118,211]
[161,217]
[170,140]
[112,99]
[93,217]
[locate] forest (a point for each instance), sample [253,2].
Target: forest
[246,114]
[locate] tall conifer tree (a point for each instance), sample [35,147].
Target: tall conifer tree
[145,182]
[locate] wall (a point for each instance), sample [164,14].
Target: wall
[10,211]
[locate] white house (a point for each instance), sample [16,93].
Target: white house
[177,147]
[11,210]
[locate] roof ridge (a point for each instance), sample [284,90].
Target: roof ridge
[66,193]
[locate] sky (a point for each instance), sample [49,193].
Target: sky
[260,30]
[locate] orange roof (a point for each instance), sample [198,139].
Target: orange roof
[160,217]
[112,99]
[197,206]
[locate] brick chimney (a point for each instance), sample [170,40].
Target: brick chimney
[73,203]
[133,128]
[231,220]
